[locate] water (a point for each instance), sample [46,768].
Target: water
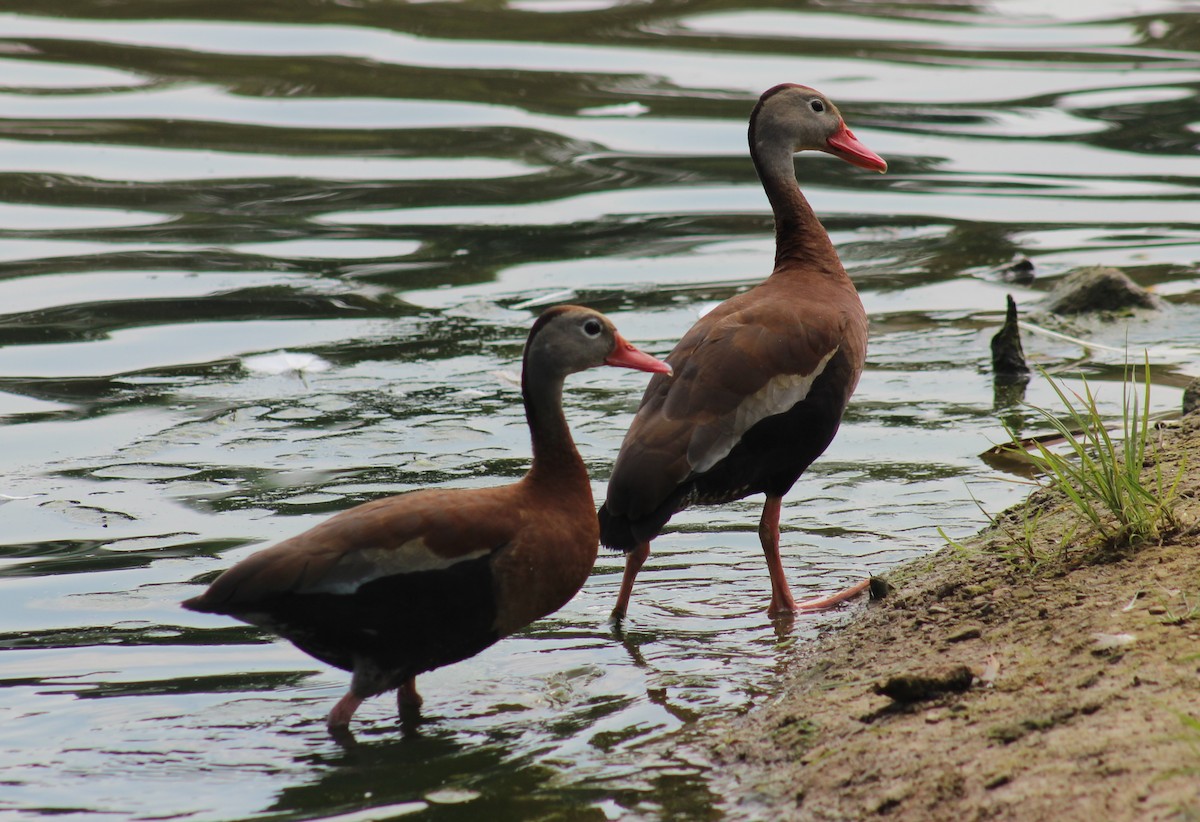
[397,189]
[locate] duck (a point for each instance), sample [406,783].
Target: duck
[761,381]
[402,585]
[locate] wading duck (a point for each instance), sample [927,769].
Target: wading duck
[399,586]
[760,381]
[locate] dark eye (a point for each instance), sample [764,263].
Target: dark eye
[817,106]
[592,328]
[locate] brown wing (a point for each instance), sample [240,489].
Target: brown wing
[748,358]
[421,531]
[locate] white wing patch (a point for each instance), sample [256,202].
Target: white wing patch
[360,567]
[777,396]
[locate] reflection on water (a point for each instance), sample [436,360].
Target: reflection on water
[397,189]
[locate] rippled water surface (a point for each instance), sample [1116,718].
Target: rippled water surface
[397,189]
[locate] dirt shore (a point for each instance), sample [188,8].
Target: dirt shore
[983,688]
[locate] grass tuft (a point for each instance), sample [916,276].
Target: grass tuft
[1101,475]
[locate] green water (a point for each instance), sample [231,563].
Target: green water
[397,189]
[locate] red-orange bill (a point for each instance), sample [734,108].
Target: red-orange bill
[625,355]
[845,145]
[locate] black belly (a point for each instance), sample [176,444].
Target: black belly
[403,625]
[772,454]
[769,458]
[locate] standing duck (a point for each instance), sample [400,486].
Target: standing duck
[399,586]
[761,381]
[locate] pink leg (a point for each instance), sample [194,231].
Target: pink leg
[407,698]
[633,563]
[768,533]
[340,716]
[821,603]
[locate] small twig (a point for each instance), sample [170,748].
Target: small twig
[1037,329]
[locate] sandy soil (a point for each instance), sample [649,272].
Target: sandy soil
[1069,691]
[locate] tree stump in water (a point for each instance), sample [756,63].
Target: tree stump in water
[1010,374]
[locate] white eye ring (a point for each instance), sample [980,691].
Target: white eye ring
[817,106]
[592,328]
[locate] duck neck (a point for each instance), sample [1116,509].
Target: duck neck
[555,457]
[799,235]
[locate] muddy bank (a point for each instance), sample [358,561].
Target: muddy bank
[987,689]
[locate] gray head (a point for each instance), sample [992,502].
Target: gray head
[800,118]
[570,338]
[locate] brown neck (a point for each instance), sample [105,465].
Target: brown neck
[799,235]
[555,457]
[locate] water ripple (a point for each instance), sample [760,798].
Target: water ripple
[394,190]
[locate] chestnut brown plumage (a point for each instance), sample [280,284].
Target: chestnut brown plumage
[762,380]
[406,584]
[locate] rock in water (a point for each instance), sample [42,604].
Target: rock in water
[1098,288]
[1020,272]
[1191,397]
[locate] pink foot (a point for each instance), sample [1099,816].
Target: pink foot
[821,603]
[782,605]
